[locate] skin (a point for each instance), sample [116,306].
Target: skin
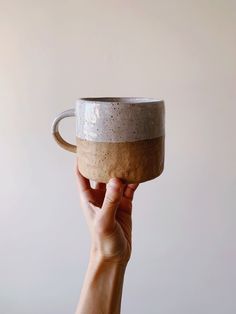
[107,209]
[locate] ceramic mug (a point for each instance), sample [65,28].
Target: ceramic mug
[117,137]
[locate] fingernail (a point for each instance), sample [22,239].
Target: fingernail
[113,183]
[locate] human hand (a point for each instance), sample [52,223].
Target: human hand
[108,209]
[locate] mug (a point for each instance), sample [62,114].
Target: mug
[117,137]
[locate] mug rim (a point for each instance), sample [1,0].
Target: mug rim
[122,100]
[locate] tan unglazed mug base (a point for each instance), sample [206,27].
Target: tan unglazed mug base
[132,161]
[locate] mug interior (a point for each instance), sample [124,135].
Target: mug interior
[124,100]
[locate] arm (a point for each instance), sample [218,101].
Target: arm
[107,210]
[102,288]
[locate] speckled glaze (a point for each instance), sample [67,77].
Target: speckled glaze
[125,119]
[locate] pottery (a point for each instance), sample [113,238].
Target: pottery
[117,137]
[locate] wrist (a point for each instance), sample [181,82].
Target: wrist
[98,257]
[111,247]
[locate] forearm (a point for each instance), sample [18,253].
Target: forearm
[102,288]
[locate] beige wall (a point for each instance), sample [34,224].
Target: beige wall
[52,52]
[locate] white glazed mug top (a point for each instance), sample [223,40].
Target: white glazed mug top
[125,119]
[119,119]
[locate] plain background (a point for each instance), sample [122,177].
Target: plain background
[51,53]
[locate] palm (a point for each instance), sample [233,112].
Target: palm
[123,214]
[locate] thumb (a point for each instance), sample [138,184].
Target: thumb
[112,197]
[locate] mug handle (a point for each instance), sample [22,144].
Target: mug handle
[55,131]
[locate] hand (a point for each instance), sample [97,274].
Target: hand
[108,209]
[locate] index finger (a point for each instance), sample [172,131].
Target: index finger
[129,190]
